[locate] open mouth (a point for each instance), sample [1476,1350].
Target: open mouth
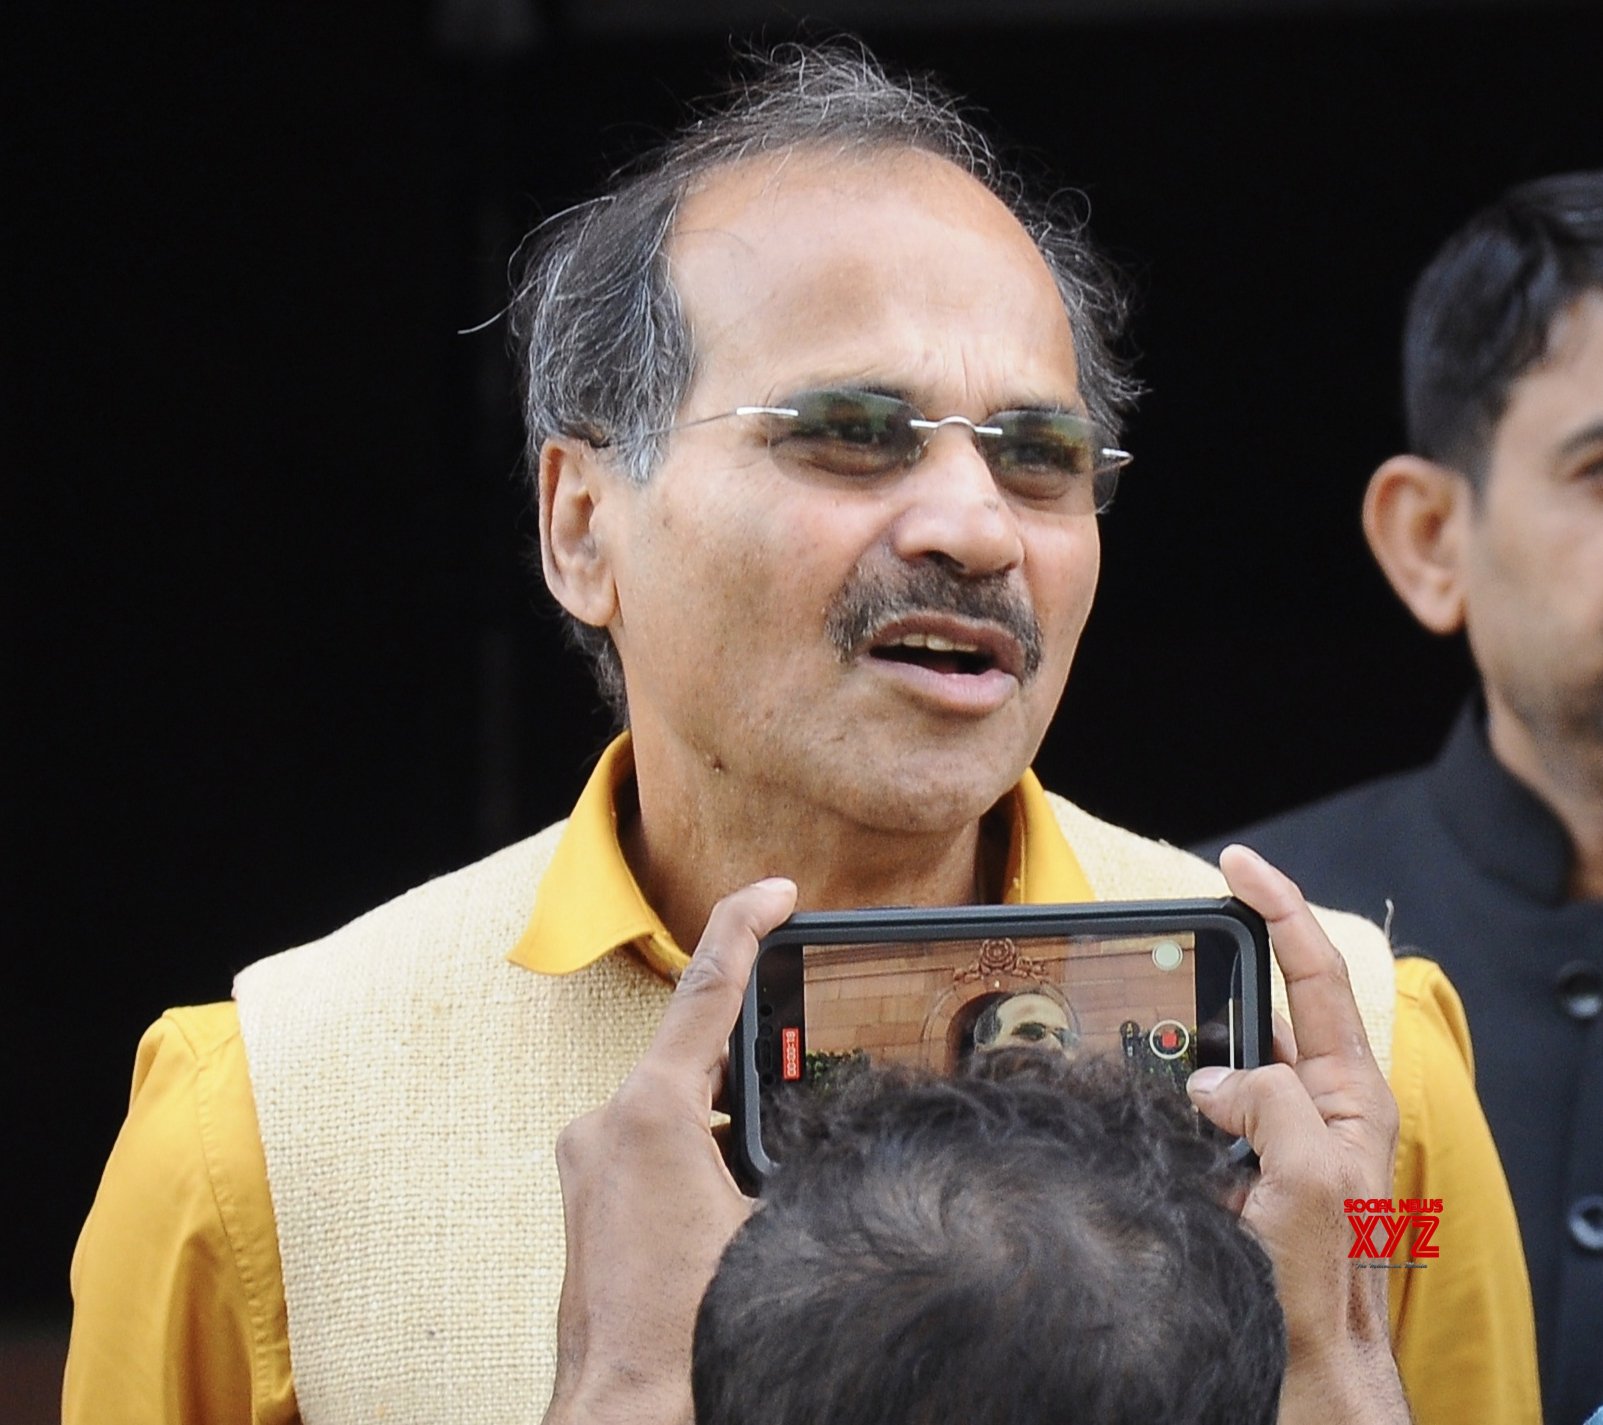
[939,655]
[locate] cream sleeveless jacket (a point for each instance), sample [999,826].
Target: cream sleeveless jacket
[410,1084]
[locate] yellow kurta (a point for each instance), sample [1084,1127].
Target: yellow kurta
[178,1282]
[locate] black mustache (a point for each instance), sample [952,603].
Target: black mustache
[868,602]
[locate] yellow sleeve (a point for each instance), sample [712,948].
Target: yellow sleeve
[178,1297]
[1462,1326]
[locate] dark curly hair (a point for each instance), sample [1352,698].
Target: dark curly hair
[1036,1240]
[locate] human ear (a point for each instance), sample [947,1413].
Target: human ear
[1416,515]
[573,552]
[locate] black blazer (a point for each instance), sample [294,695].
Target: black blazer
[1470,870]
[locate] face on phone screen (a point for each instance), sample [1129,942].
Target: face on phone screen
[1149,1000]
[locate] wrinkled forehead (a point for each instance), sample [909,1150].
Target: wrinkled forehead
[891,264]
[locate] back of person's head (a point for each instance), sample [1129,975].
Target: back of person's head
[1037,1240]
[1482,313]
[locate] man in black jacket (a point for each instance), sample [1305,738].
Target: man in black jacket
[1490,860]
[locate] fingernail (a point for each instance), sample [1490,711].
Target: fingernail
[1207,1080]
[776,883]
[1243,847]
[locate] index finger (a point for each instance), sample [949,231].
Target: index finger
[1324,1014]
[701,1015]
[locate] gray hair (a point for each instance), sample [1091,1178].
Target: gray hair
[604,351]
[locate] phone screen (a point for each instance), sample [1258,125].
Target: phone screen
[1163,998]
[939,1003]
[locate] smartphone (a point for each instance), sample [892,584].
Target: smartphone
[1165,986]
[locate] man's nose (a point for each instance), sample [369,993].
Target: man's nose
[954,508]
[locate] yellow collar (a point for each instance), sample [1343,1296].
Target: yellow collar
[589,903]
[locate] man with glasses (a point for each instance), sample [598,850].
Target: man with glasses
[1028,1017]
[821,413]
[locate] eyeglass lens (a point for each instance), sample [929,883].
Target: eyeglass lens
[1033,454]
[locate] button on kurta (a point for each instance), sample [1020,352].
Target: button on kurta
[1580,990]
[1586,1223]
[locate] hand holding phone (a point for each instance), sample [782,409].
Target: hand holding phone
[1325,1126]
[648,1154]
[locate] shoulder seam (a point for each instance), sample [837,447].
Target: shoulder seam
[227,1217]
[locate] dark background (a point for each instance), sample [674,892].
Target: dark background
[273,650]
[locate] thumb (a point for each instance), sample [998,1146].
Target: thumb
[1267,1106]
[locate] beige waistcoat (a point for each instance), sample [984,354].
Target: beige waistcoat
[410,1084]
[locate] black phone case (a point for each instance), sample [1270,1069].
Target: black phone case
[907,923]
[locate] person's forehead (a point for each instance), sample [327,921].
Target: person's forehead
[1032,1005]
[1561,396]
[892,265]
